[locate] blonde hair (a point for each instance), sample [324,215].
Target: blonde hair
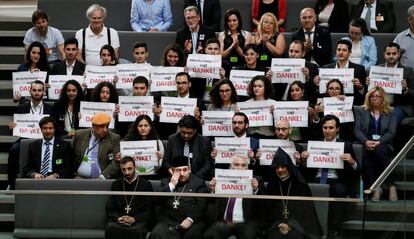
[274,19]
[385,105]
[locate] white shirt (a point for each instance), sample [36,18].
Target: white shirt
[237,211]
[85,168]
[373,11]
[95,42]
[69,68]
[36,109]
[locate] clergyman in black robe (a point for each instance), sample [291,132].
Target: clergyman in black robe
[129,215]
[290,218]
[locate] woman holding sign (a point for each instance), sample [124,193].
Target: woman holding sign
[143,129]
[223,96]
[66,109]
[271,44]
[36,58]
[375,127]
[260,89]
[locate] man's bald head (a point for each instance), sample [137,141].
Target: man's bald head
[282,129]
[239,162]
[308,18]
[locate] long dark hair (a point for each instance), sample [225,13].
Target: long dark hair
[300,85]
[215,93]
[111,51]
[64,101]
[332,81]
[360,23]
[232,11]
[42,64]
[177,49]
[97,90]
[267,85]
[133,134]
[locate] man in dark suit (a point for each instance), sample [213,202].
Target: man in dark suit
[192,37]
[193,146]
[343,51]
[317,40]
[181,217]
[210,12]
[380,17]
[236,216]
[50,157]
[70,66]
[34,106]
[95,149]
[240,124]
[342,182]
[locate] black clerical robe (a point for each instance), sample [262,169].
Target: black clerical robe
[140,207]
[302,216]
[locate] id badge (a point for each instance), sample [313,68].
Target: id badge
[375,137]
[263,57]
[234,59]
[85,158]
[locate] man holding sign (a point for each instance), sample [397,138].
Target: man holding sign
[95,149]
[403,103]
[343,52]
[343,182]
[240,124]
[236,216]
[36,106]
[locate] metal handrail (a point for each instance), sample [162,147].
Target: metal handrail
[391,166]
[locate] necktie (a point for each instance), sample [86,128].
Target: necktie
[186,149]
[324,176]
[368,17]
[44,169]
[230,209]
[94,161]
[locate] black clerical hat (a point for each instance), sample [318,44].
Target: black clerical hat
[179,161]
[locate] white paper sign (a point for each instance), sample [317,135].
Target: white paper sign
[174,108]
[97,74]
[163,78]
[345,76]
[204,66]
[143,152]
[340,108]
[130,107]
[88,110]
[127,72]
[296,112]
[56,83]
[230,181]
[241,80]
[227,147]
[268,148]
[23,79]
[388,78]
[325,154]
[27,126]
[258,112]
[287,70]
[217,123]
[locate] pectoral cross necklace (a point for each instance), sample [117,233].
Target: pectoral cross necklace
[176,201]
[285,210]
[128,208]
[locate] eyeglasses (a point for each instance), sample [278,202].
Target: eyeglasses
[281,129]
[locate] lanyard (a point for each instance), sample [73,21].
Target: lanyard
[93,146]
[32,109]
[70,118]
[377,121]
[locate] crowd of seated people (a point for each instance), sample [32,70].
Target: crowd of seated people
[189,156]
